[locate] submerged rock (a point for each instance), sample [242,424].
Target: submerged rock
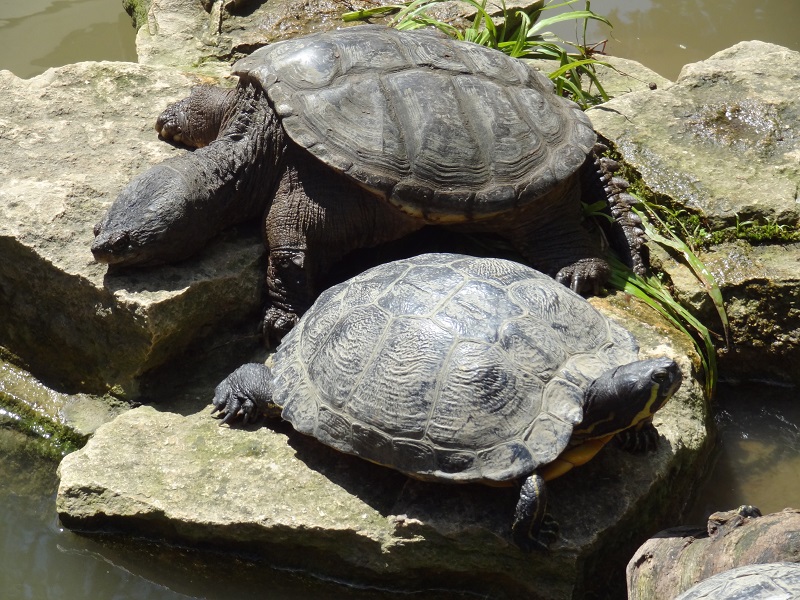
[269,491]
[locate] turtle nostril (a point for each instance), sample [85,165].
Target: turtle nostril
[96,229]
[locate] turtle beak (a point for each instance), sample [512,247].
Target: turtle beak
[110,248]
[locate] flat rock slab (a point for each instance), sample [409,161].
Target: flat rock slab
[184,35]
[70,139]
[269,491]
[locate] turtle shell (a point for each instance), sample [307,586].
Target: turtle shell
[445,130]
[446,367]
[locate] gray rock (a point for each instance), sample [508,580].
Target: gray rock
[676,559]
[183,35]
[722,142]
[70,139]
[276,493]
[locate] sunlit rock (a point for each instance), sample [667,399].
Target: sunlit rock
[70,139]
[722,144]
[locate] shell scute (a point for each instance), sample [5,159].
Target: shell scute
[481,401]
[507,461]
[448,131]
[340,360]
[421,291]
[403,374]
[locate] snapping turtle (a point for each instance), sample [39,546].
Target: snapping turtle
[351,138]
[460,369]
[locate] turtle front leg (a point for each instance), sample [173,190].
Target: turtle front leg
[246,393]
[641,438]
[533,528]
[317,217]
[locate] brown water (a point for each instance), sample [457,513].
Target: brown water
[40,560]
[38,34]
[667,34]
[662,34]
[758,459]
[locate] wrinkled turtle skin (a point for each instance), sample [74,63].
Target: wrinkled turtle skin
[459,369]
[352,138]
[769,581]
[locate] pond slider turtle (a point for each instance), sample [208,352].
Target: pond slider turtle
[351,138]
[459,369]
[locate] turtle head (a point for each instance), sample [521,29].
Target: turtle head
[150,222]
[625,396]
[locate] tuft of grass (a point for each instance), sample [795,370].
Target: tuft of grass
[655,294]
[518,33]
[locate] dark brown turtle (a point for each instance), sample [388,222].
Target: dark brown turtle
[351,138]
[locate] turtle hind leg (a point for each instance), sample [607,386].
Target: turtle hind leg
[533,528]
[624,229]
[551,236]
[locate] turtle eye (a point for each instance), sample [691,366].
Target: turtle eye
[660,375]
[119,241]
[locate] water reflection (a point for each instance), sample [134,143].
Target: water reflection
[759,458]
[38,34]
[41,560]
[667,34]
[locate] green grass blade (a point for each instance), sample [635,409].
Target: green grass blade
[697,266]
[568,16]
[653,293]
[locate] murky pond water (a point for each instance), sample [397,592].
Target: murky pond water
[759,460]
[38,34]
[40,560]
[667,34]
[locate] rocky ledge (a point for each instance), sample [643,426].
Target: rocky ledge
[270,492]
[69,141]
[721,144]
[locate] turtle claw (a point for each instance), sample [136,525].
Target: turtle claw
[640,439]
[236,395]
[585,277]
[243,394]
[277,323]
